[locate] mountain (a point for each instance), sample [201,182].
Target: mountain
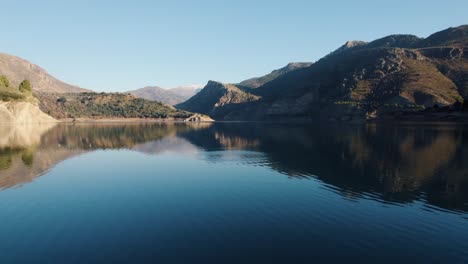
[217,99]
[168,96]
[155,93]
[215,96]
[106,105]
[349,45]
[457,36]
[362,80]
[18,104]
[187,91]
[259,81]
[17,70]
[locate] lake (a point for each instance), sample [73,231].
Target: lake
[234,193]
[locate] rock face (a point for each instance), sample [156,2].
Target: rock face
[17,70]
[23,113]
[168,96]
[358,81]
[214,97]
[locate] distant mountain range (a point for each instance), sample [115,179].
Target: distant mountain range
[358,81]
[17,70]
[171,96]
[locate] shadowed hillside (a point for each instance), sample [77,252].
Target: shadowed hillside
[359,81]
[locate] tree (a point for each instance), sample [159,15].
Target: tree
[4,82]
[25,86]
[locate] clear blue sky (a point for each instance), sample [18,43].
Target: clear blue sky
[122,45]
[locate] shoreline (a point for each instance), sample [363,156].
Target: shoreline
[130,120]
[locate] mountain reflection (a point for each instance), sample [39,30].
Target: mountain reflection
[398,164]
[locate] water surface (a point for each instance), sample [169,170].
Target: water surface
[233,192]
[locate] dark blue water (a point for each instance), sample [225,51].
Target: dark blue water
[234,193]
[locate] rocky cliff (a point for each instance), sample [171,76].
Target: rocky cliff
[23,113]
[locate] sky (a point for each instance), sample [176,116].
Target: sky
[124,45]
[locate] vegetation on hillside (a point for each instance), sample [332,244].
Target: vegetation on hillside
[9,93]
[105,105]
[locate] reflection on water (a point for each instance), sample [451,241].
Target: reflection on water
[142,193]
[397,163]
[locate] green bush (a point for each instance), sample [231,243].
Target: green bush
[25,86]
[4,82]
[10,95]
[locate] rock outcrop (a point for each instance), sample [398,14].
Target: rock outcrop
[18,113]
[214,97]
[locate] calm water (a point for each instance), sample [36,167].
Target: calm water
[239,193]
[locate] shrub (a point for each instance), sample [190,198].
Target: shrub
[10,95]
[25,86]
[4,82]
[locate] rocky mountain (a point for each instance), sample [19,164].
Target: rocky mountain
[17,70]
[360,81]
[217,99]
[216,96]
[259,81]
[168,96]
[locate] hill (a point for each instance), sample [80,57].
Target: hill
[18,105]
[214,96]
[106,105]
[363,80]
[17,70]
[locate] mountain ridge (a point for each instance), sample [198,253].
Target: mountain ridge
[170,96]
[17,69]
[361,80]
